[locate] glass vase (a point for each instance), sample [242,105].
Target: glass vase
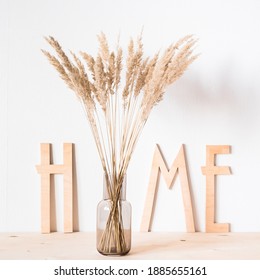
[114,219]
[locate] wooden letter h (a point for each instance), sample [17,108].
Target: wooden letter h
[46,169]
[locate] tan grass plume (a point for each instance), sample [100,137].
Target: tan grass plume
[118,98]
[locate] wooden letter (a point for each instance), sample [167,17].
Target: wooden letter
[159,164]
[46,169]
[210,171]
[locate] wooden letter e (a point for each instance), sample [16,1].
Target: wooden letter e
[210,171]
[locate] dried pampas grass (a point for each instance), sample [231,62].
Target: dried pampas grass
[119,98]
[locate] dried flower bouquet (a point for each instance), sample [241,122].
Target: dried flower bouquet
[118,99]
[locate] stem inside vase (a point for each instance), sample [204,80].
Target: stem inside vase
[114,220]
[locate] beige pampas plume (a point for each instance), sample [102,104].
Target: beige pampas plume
[118,95]
[98,83]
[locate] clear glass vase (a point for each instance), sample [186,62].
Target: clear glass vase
[114,219]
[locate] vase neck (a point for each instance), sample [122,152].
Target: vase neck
[110,187]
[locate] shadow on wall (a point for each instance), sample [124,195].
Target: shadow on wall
[225,94]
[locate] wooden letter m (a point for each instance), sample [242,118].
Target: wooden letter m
[159,164]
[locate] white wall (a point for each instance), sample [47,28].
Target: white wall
[216,102]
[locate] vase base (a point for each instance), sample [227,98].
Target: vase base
[113,253]
[110,249]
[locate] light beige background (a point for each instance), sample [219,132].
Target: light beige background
[216,102]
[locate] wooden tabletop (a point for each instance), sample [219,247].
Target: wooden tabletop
[151,245]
